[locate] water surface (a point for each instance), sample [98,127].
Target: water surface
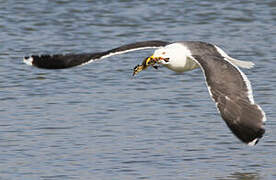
[98,122]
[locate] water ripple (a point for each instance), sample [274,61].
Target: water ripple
[99,122]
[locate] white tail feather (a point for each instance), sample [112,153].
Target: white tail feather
[242,64]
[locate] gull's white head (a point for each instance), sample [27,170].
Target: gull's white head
[173,56]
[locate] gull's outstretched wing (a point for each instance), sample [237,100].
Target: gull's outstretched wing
[232,93]
[60,61]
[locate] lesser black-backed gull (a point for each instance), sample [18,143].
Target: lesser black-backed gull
[228,86]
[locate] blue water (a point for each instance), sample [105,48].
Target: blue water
[98,122]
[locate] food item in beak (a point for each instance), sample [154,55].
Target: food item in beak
[148,61]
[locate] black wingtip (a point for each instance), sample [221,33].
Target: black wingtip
[259,135]
[58,61]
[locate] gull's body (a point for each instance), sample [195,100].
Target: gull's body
[228,86]
[181,53]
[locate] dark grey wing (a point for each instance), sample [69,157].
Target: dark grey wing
[232,93]
[60,61]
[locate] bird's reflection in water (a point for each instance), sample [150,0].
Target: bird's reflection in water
[242,176]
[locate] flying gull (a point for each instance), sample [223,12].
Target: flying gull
[228,86]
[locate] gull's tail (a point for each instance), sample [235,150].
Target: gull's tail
[239,63]
[242,64]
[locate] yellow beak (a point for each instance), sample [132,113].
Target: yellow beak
[152,60]
[149,61]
